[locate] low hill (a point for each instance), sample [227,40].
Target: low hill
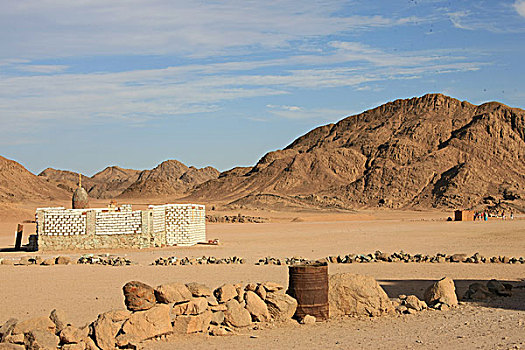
[424,152]
[17,184]
[170,178]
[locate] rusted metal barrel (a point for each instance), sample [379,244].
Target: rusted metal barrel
[308,283]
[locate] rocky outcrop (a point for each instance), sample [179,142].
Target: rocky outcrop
[357,295]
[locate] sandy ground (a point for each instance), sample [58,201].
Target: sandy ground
[85,291]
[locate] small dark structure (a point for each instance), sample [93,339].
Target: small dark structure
[463,215]
[308,284]
[80,196]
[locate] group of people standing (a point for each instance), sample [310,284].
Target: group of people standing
[484,215]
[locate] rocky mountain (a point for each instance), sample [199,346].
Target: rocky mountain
[169,178]
[108,183]
[17,184]
[424,152]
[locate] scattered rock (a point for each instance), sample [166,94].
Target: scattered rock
[217,318]
[34,324]
[199,290]
[357,295]
[59,319]
[138,296]
[219,331]
[7,328]
[40,340]
[496,287]
[308,319]
[63,260]
[172,293]
[194,306]
[412,302]
[225,293]
[106,327]
[236,316]
[70,335]
[442,291]
[281,306]
[477,291]
[192,324]
[48,262]
[142,325]
[256,307]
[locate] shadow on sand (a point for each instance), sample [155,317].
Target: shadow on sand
[394,288]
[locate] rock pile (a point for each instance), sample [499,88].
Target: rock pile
[493,288]
[203,260]
[45,333]
[286,261]
[38,260]
[105,259]
[236,219]
[409,304]
[437,258]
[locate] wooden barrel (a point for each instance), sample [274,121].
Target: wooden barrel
[308,284]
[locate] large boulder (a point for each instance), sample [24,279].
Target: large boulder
[138,296]
[199,290]
[172,293]
[192,324]
[106,327]
[442,292]
[236,315]
[256,307]
[225,293]
[144,325]
[281,306]
[357,295]
[195,306]
[34,324]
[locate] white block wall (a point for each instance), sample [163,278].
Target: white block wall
[118,223]
[184,224]
[61,222]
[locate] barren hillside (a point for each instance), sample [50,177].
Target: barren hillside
[17,184]
[170,178]
[430,151]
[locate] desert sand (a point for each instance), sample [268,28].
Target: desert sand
[84,291]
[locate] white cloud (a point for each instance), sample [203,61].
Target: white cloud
[296,112]
[41,68]
[61,28]
[519,5]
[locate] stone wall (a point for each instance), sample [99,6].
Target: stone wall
[170,224]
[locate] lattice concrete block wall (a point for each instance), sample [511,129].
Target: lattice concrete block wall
[61,222]
[185,224]
[118,223]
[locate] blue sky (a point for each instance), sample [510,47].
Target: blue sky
[88,84]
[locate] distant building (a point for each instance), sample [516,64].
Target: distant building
[120,227]
[463,215]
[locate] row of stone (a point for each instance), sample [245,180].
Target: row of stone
[203,260]
[437,258]
[236,219]
[105,259]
